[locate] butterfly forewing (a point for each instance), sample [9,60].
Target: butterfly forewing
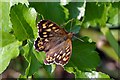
[47,28]
[55,41]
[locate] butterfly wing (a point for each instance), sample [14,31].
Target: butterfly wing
[54,41]
[49,33]
[47,28]
[59,54]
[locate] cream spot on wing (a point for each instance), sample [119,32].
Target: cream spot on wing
[68,53]
[44,35]
[44,32]
[48,30]
[60,52]
[50,25]
[41,47]
[41,43]
[55,54]
[53,27]
[51,59]
[63,55]
[38,44]
[67,50]
[56,30]
[44,26]
[59,58]
[47,57]
[46,40]
[65,58]
[67,47]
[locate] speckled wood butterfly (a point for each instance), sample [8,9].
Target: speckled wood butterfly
[55,42]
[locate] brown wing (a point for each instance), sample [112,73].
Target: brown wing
[50,34]
[55,41]
[45,44]
[47,28]
[59,54]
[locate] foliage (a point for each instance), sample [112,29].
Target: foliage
[19,26]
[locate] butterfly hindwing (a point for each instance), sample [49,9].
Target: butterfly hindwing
[60,54]
[39,44]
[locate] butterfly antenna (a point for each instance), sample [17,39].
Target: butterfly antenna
[78,38]
[67,22]
[71,20]
[42,17]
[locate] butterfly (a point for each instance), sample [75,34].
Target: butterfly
[55,42]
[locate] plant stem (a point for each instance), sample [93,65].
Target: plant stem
[111,39]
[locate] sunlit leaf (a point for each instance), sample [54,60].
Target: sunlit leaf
[6,38]
[20,26]
[95,14]
[8,52]
[33,63]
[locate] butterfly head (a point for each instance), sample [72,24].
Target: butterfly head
[70,35]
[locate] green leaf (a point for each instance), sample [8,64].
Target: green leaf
[8,52]
[70,69]
[113,12]
[95,14]
[22,29]
[40,56]
[84,56]
[72,25]
[74,9]
[19,1]
[65,10]
[6,39]
[43,72]
[5,11]
[33,63]
[30,16]
[94,74]
[50,10]
[88,75]
[80,74]
[5,19]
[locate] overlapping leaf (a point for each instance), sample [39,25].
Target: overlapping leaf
[50,10]
[84,56]
[8,52]
[22,29]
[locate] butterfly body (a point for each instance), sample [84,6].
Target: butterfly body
[55,42]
